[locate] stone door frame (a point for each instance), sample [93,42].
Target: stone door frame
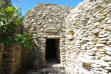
[43,50]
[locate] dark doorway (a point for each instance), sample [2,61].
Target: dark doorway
[52,51]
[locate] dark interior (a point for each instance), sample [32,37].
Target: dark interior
[52,50]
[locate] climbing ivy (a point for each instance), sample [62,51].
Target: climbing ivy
[10,23]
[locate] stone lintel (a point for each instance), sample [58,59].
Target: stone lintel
[52,37]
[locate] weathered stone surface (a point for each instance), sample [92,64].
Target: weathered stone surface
[91,23]
[47,21]
[10,59]
[84,33]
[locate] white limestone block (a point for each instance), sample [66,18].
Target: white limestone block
[99,45]
[109,21]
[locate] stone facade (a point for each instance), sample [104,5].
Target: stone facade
[10,59]
[46,21]
[88,38]
[84,33]
[14,59]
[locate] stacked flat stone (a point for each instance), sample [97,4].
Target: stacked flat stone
[89,48]
[46,16]
[47,21]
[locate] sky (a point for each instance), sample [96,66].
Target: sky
[26,5]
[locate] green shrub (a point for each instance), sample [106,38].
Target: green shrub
[10,20]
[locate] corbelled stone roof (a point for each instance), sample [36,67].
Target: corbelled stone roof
[47,14]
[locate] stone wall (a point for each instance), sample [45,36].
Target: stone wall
[15,60]
[88,38]
[27,58]
[1,54]
[10,59]
[46,21]
[84,33]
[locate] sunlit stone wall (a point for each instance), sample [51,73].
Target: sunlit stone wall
[88,38]
[47,21]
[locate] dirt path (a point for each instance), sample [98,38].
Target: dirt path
[50,69]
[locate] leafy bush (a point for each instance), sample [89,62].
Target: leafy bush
[10,19]
[10,22]
[25,40]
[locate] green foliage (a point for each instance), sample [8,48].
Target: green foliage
[5,3]
[25,40]
[10,18]
[10,21]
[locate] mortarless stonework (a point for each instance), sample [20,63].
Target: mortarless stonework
[88,38]
[84,33]
[47,21]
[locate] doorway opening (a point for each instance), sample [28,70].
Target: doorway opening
[52,51]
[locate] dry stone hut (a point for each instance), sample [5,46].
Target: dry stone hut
[47,23]
[81,36]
